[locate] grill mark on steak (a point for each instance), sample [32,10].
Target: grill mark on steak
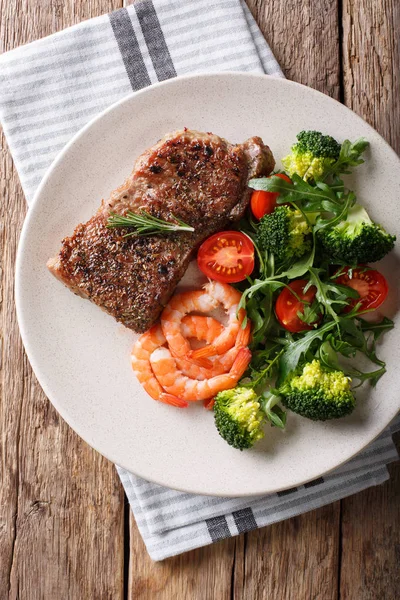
[198,177]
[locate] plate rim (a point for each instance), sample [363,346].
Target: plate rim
[35,206]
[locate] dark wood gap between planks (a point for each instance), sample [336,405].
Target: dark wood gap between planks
[340,57]
[127,547]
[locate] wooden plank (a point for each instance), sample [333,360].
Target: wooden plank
[265,563]
[371,541]
[304,37]
[297,558]
[61,503]
[203,574]
[371,64]
[371,519]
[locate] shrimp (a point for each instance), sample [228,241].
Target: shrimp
[174,382]
[209,403]
[229,297]
[140,361]
[195,326]
[172,315]
[214,293]
[201,328]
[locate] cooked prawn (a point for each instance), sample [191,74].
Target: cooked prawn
[174,382]
[194,326]
[171,319]
[202,328]
[229,297]
[140,361]
[209,403]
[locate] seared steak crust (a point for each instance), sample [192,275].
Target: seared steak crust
[199,178]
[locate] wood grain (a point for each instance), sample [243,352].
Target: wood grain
[304,36]
[371,63]
[203,574]
[297,558]
[371,542]
[371,68]
[61,503]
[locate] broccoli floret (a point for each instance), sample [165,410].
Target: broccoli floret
[318,393]
[285,233]
[312,155]
[238,417]
[357,239]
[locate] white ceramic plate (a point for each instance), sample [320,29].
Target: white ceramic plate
[81,356]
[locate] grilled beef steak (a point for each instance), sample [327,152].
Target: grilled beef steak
[199,178]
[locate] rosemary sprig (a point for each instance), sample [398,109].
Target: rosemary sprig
[144,223]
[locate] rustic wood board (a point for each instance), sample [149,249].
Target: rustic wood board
[61,503]
[63,517]
[370,535]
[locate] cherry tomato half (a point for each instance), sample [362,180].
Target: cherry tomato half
[287,305]
[370,284]
[227,256]
[264,203]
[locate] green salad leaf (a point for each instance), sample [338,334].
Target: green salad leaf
[290,245]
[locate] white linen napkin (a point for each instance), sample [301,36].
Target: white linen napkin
[52,87]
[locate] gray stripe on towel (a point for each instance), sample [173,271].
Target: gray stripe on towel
[155,40]
[129,48]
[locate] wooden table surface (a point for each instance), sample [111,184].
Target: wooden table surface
[66,531]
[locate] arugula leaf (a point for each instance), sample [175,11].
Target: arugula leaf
[259,310]
[311,312]
[299,268]
[328,356]
[339,216]
[350,156]
[293,352]
[297,190]
[345,348]
[330,294]
[353,335]
[274,413]
[372,376]
[377,328]
[263,367]
[329,359]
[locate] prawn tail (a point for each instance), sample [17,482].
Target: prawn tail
[209,403]
[172,400]
[244,335]
[202,353]
[241,363]
[200,360]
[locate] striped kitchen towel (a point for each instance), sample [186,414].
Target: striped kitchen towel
[172,522]
[51,88]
